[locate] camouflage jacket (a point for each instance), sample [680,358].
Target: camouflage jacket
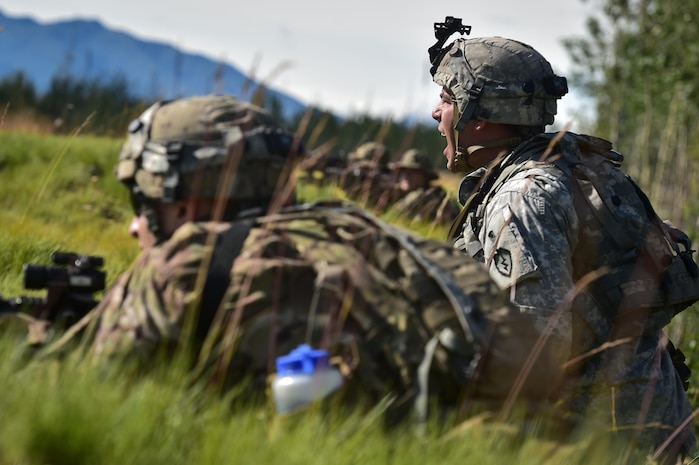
[526,231]
[334,277]
[432,204]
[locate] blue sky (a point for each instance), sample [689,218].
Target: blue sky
[350,56]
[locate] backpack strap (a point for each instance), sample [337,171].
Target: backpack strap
[589,191]
[458,224]
[485,182]
[446,337]
[501,169]
[227,248]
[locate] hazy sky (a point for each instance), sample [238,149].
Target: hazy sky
[347,56]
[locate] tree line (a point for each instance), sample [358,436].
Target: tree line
[106,108]
[97,107]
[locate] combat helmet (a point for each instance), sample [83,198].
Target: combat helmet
[369,153]
[418,160]
[496,79]
[185,148]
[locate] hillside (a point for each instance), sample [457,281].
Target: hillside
[86,49]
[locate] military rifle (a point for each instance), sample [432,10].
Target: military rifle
[70,287]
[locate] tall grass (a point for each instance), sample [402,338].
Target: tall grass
[74,414]
[59,193]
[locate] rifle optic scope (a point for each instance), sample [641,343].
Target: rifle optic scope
[79,273]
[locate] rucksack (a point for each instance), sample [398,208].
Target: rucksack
[444,330]
[510,357]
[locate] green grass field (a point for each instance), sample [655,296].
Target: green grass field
[59,193]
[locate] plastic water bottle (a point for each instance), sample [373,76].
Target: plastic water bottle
[303,377]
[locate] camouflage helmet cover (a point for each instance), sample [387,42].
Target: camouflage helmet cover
[499,80]
[415,159]
[372,153]
[181,148]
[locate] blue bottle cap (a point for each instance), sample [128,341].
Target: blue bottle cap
[302,360]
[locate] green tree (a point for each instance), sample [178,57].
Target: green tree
[102,108]
[640,63]
[17,91]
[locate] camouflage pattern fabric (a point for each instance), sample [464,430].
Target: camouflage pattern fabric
[368,185]
[178,149]
[370,153]
[416,159]
[500,80]
[526,230]
[430,205]
[328,276]
[367,179]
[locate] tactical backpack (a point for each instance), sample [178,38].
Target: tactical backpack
[475,340]
[650,273]
[444,332]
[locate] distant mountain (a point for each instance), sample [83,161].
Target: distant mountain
[88,50]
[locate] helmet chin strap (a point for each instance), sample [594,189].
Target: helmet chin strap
[460,163]
[507,142]
[462,154]
[146,207]
[153,222]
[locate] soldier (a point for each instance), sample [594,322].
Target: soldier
[521,218]
[416,196]
[227,267]
[367,179]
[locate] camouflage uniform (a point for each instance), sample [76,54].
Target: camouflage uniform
[430,204]
[366,179]
[526,230]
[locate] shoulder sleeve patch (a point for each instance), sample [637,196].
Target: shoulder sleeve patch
[503,262]
[507,254]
